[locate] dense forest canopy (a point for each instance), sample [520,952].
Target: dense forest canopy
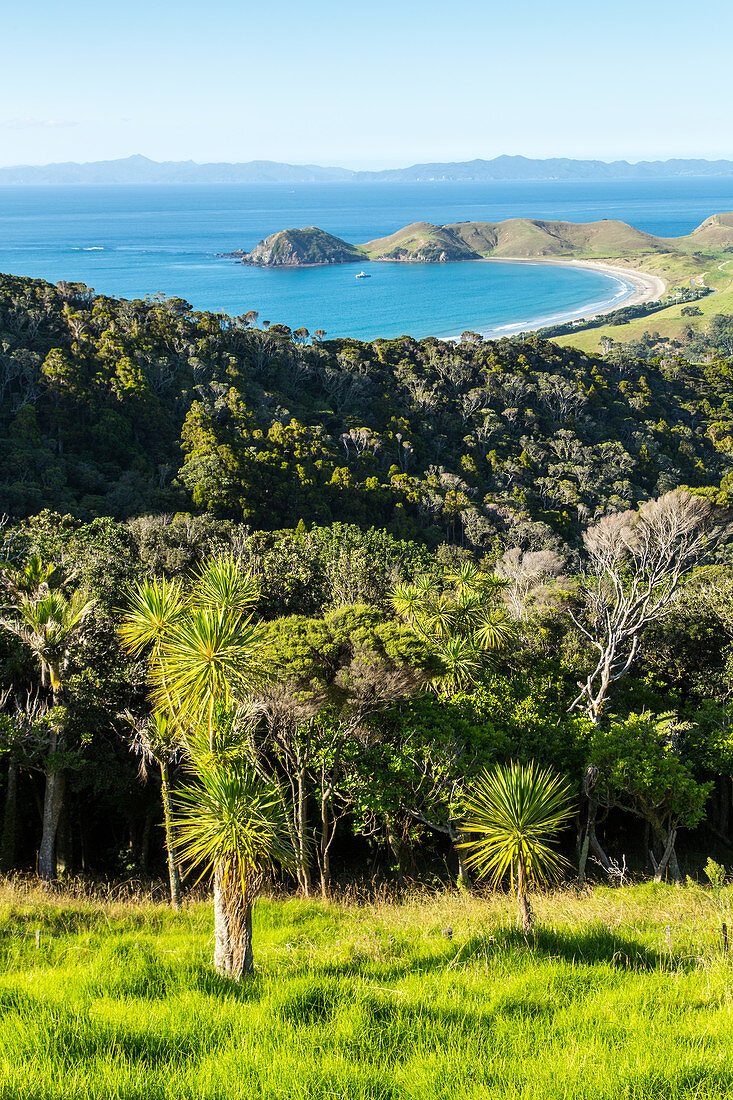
[122,408]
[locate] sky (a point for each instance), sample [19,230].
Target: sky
[365,85]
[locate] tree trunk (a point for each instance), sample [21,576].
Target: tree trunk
[53,802]
[53,797]
[463,881]
[587,835]
[7,844]
[326,835]
[464,876]
[304,871]
[64,845]
[524,916]
[173,874]
[596,846]
[666,857]
[233,953]
[395,844]
[223,950]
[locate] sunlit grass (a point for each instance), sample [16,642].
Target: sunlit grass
[620,993]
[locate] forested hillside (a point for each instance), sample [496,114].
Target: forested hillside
[434,543]
[117,408]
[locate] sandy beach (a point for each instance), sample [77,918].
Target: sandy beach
[645,287]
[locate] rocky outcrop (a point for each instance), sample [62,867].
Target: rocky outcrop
[301,248]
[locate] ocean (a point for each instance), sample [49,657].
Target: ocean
[138,241]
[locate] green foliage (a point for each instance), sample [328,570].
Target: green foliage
[514,810]
[228,819]
[643,767]
[475,442]
[715,873]
[460,621]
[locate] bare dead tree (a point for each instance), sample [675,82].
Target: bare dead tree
[637,562]
[526,571]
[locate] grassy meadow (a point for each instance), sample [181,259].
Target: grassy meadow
[715,272]
[619,993]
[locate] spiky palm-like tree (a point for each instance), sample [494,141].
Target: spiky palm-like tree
[49,624]
[460,621]
[205,652]
[513,812]
[202,644]
[231,824]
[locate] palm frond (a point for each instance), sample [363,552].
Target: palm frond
[460,664]
[494,630]
[513,811]
[220,583]
[407,601]
[229,819]
[153,607]
[206,655]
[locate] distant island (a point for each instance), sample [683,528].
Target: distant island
[139,169]
[306,247]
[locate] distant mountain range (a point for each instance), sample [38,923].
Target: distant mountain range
[142,170]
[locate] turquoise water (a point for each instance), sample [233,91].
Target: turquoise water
[134,241]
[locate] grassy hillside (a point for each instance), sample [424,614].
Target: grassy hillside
[525,237]
[621,993]
[671,323]
[422,242]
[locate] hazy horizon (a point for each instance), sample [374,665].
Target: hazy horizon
[363,166]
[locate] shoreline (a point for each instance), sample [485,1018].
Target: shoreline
[641,287]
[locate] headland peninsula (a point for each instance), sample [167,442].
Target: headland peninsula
[658,269]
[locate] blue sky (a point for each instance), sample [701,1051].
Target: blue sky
[366,84]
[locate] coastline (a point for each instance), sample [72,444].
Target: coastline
[641,287]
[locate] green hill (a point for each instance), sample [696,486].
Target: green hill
[526,238]
[301,248]
[127,408]
[423,243]
[516,238]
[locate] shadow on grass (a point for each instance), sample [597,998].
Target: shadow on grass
[591,946]
[70,1037]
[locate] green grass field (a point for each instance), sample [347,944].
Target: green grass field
[669,323]
[620,993]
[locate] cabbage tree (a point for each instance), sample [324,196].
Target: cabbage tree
[513,813]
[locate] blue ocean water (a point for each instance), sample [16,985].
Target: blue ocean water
[134,241]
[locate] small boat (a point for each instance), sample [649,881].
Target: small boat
[363,275]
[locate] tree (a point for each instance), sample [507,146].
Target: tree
[231,825]
[526,572]
[50,625]
[515,809]
[637,561]
[460,621]
[640,766]
[204,653]
[332,676]
[154,740]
